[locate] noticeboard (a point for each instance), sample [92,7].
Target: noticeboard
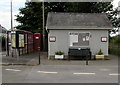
[21,40]
[77,39]
[18,39]
[14,40]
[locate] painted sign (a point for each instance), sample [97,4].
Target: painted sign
[52,38]
[103,39]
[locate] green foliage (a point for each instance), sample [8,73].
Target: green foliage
[115,40]
[113,17]
[88,7]
[79,7]
[59,53]
[114,46]
[114,51]
[100,52]
[31,18]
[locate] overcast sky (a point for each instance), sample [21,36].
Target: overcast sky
[5,11]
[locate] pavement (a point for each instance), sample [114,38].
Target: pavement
[60,71]
[33,59]
[27,59]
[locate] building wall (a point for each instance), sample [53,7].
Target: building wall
[62,41]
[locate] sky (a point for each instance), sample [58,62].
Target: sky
[5,14]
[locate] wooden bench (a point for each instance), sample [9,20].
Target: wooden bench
[80,52]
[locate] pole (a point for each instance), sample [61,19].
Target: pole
[11,17]
[6,42]
[39,56]
[87,59]
[11,29]
[43,27]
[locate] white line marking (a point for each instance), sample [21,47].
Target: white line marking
[47,72]
[12,70]
[114,74]
[84,73]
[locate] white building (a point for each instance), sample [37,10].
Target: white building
[74,30]
[3,31]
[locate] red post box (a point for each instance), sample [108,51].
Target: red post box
[37,42]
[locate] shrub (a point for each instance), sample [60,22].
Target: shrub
[59,53]
[114,46]
[114,51]
[117,41]
[100,52]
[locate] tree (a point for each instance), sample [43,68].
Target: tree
[115,20]
[88,7]
[30,17]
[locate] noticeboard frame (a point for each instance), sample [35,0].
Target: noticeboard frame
[52,39]
[103,39]
[16,41]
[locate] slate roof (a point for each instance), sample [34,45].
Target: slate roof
[77,21]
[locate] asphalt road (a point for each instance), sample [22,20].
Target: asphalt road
[63,71]
[60,74]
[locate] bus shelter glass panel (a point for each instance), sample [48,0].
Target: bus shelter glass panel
[14,40]
[21,40]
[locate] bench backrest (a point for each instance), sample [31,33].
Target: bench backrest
[79,51]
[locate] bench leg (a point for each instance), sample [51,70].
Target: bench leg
[94,57]
[87,60]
